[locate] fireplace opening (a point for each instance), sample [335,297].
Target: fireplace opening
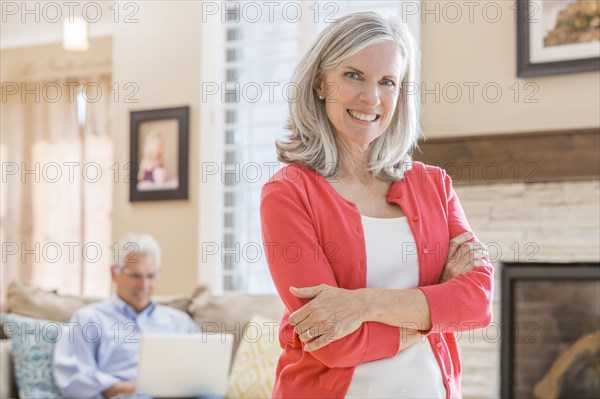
[551,330]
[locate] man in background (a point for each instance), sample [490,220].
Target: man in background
[100,357]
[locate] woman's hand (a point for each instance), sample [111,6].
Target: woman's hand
[463,256]
[331,314]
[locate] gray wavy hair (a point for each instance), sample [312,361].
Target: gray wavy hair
[312,141]
[141,244]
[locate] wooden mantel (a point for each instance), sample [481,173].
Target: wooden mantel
[529,157]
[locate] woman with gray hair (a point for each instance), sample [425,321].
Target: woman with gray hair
[370,252]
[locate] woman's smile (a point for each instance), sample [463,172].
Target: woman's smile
[363,116]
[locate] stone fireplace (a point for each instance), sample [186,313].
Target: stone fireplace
[551,325]
[525,224]
[534,200]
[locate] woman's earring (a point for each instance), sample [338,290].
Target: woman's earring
[321,97]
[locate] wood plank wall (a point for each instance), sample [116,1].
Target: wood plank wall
[562,155]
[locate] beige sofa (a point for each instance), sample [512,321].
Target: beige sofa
[249,318]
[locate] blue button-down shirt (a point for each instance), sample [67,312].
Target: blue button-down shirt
[100,346]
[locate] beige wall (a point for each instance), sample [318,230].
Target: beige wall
[161,55]
[485,52]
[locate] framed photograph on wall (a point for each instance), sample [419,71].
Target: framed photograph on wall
[555,37]
[159,154]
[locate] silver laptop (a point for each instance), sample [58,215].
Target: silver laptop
[184,365]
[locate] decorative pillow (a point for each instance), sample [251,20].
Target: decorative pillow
[253,371]
[32,342]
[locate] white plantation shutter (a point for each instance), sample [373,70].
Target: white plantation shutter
[248,63]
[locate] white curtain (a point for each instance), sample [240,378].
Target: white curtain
[56,226]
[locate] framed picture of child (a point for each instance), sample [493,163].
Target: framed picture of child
[159,155]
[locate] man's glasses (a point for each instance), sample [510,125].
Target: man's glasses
[138,276]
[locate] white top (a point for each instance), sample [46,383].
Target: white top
[392,263]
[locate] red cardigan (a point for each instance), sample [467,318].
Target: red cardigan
[312,236]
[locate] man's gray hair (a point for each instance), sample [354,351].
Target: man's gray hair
[312,141]
[141,244]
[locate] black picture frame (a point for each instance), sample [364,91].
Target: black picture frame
[529,12]
[159,141]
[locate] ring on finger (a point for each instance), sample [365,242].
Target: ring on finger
[309,333]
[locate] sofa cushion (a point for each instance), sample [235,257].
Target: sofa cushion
[32,343]
[27,300]
[180,302]
[231,314]
[253,370]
